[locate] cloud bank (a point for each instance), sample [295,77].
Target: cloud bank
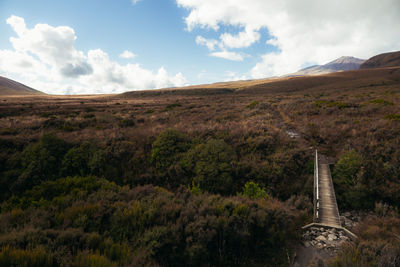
[308,31]
[45,58]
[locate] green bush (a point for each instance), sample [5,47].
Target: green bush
[212,165]
[380,101]
[347,167]
[172,106]
[253,104]
[54,191]
[87,259]
[253,190]
[41,161]
[77,160]
[27,258]
[393,117]
[167,147]
[349,187]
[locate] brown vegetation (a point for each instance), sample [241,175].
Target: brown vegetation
[178,155]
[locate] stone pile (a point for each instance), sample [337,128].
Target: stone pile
[349,220]
[325,238]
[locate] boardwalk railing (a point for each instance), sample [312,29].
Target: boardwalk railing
[316,189]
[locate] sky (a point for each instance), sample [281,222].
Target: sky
[103,46]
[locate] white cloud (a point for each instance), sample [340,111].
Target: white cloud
[53,46]
[127,55]
[210,43]
[134,2]
[303,31]
[233,76]
[241,40]
[227,55]
[46,59]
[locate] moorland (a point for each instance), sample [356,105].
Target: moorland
[211,175]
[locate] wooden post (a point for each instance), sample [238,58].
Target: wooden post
[316,189]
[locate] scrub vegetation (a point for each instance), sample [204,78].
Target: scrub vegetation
[197,177]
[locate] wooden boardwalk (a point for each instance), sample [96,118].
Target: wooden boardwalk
[327,211]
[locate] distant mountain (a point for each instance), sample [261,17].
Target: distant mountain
[10,87]
[340,64]
[383,60]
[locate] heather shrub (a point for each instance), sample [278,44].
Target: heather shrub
[211,165]
[77,160]
[100,223]
[167,150]
[40,162]
[168,147]
[19,257]
[350,189]
[378,244]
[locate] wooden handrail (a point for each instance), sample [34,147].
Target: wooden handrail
[316,188]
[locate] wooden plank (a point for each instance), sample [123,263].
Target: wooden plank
[328,209]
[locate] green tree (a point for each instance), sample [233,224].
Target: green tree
[253,190]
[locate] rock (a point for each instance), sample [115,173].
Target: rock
[320,238]
[331,243]
[342,220]
[332,237]
[306,244]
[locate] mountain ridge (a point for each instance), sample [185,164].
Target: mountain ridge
[343,63]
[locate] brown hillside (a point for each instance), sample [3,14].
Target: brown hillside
[10,87]
[383,60]
[343,81]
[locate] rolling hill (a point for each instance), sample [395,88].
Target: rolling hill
[391,59]
[343,81]
[10,87]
